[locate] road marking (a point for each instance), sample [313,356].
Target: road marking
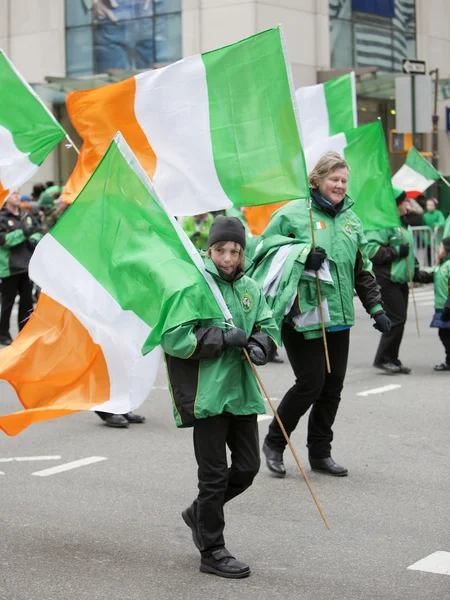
[25,458]
[386,388]
[264,417]
[1,473]
[438,562]
[70,465]
[425,303]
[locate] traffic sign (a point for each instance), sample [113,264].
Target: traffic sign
[414,67]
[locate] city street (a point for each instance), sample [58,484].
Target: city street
[109,526]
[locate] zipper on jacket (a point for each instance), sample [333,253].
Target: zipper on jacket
[340,294]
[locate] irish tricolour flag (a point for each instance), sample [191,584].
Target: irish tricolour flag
[416,175]
[116,272]
[28,131]
[212,131]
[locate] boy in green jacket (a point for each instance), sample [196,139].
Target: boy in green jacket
[441,318]
[214,390]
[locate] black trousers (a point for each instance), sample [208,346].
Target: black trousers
[314,387]
[395,302]
[218,483]
[444,336]
[11,287]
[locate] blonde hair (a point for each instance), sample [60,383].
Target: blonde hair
[220,245]
[330,162]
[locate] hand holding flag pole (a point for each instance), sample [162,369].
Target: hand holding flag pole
[319,295]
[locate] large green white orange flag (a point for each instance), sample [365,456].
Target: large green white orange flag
[364,149]
[213,131]
[28,130]
[416,175]
[116,272]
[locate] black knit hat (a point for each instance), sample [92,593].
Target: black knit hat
[227,229]
[446,244]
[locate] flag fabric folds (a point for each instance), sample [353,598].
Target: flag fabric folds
[416,175]
[212,131]
[364,149]
[28,130]
[116,272]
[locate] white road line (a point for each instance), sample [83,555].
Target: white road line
[386,388]
[1,473]
[431,303]
[438,562]
[264,417]
[29,458]
[70,465]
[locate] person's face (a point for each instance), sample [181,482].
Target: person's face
[13,201]
[334,186]
[227,258]
[431,206]
[403,207]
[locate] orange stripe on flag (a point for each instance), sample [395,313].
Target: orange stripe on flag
[54,366]
[98,115]
[258,217]
[3,194]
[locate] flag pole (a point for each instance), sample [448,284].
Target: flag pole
[286,437]
[72,143]
[444,180]
[319,295]
[411,287]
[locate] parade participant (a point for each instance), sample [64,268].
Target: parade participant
[197,229]
[214,390]
[392,254]
[441,318]
[19,235]
[341,248]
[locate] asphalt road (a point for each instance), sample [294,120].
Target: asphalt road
[112,529]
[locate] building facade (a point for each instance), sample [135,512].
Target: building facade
[59,45]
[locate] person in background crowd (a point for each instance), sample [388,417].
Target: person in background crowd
[50,208]
[446,228]
[441,318]
[391,251]
[432,218]
[19,235]
[38,188]
[415,211]
[341,243]
[197,229]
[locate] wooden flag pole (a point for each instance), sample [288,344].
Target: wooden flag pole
[72,143]
[445,181]
[319,295]
[286,437]
[411,287]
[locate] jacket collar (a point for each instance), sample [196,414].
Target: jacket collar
[213,270]
[327,207]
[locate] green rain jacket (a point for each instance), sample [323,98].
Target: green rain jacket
[383,251]
[340,233]
[207,379]
[19,235]
[442,285]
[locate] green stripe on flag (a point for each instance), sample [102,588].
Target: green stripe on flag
[418,163]
[33,130]
[370,184]
[123,237]
[339,100]
[256,145]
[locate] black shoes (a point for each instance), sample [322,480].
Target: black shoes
[387,367]
[442,367]
[274,460]
[403,370]
[5,340]
[132,417]
[115,421]
[191,521]
[327,465]
[221,563]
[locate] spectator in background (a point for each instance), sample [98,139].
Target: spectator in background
[414,211]
[432,218]
[197,229]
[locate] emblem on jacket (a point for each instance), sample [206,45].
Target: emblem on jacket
[247,302]
[10,223]
[348,228]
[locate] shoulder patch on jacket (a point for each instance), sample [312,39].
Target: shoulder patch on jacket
[348,227]
[247,302]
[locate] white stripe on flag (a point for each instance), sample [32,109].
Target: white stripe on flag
[313,316]
[409,180]
[15,166]
[335,143]
[181,91]
[313,111]
[120,334]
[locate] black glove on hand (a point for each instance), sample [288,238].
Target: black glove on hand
[257,355]
[382,322]
[235,337]
[445,314]
[315,259]
[403,251]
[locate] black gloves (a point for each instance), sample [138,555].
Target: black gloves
[257,355]
[235,337]
[315,259]
[445,314]
[382,322]
[403,251]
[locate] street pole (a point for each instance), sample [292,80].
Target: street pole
[434,133]
[413,107]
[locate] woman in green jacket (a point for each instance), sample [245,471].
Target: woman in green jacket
[341,252]
[215,390]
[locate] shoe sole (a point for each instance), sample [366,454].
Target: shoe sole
[191,526]
[325,472]
[213,571]
[122,426]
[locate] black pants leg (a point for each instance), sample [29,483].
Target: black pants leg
[25,289]
[395,302]
[313,387]
[217,483]
[10,286]
[444,336]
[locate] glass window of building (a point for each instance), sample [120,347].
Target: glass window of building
[372,33]
[121,34]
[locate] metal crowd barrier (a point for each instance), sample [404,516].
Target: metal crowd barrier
[426,244]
